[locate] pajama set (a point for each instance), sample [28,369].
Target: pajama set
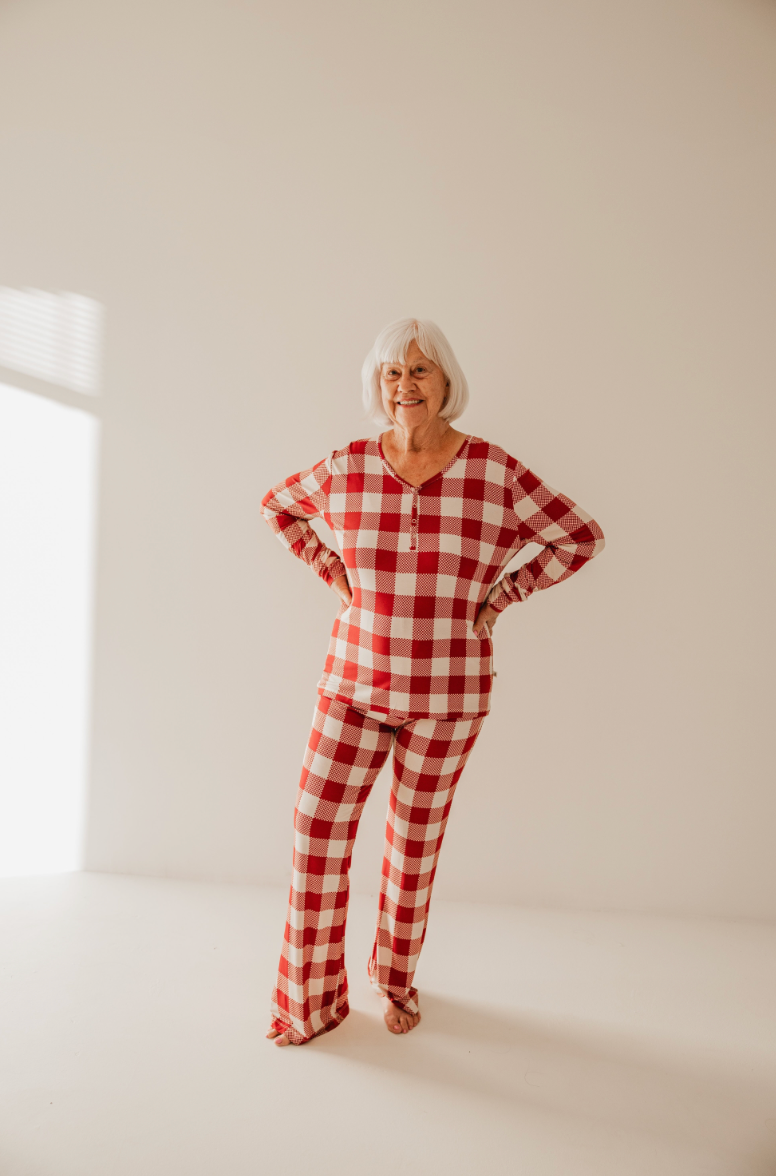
[405,671]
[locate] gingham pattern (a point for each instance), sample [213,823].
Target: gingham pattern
[345,752]
[420,561]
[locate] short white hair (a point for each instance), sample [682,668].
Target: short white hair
[392,345]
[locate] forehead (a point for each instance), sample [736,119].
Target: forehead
[412,356]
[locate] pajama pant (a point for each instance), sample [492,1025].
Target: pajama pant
[346,750]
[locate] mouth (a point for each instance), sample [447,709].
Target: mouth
[408,403]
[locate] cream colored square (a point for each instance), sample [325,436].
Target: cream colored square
[492,513]
[337,504]
[336,850]
[295,993]
[366,621]
[320,766]
[525,508]
[495,472]
[446,585]
[450,544]
[554,568]
[414,761]
[405,583]
[555,534]
[371,503]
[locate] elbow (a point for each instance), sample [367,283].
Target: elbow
[589,540]
[270,507]
[598,538]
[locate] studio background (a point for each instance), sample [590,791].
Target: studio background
[582,196]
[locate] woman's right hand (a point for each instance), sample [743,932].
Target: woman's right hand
[342,588]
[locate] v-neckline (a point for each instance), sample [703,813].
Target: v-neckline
[458,453]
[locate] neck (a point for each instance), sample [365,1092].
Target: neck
[428,436]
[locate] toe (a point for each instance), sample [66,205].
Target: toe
[282,1040]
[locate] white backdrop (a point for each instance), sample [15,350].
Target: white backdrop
[582,195]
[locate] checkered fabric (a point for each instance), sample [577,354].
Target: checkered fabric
[420,561]
[346,750]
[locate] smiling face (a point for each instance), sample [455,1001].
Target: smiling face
[413,392]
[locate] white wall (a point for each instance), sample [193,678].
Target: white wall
[582,195]
[48,479]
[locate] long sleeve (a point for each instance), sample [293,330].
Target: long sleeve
[571,537]
[287,508]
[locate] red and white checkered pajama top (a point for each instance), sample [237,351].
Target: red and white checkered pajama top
[420,560]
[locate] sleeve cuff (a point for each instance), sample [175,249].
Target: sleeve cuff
[333,571]
[504,593]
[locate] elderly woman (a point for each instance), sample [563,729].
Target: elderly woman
[427,518]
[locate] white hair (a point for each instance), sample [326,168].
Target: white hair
[392,345]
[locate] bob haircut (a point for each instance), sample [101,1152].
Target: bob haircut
[392,345]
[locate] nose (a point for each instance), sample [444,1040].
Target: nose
[406,383]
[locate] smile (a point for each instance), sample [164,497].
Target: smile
[408,403]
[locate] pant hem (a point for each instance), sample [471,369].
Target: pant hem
[297,1038]
[407,1003]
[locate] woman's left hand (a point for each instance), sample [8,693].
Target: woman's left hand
[487,616]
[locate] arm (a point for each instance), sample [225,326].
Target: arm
[571,537]
[288,506]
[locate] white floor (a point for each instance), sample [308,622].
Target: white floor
[133,1012]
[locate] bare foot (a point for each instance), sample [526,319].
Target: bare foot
[396,1020]
[280,1038]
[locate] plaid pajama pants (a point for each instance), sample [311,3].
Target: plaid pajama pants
[346,750]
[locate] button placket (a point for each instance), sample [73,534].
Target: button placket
[414,519]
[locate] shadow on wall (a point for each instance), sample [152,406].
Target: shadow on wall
[587,1076]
